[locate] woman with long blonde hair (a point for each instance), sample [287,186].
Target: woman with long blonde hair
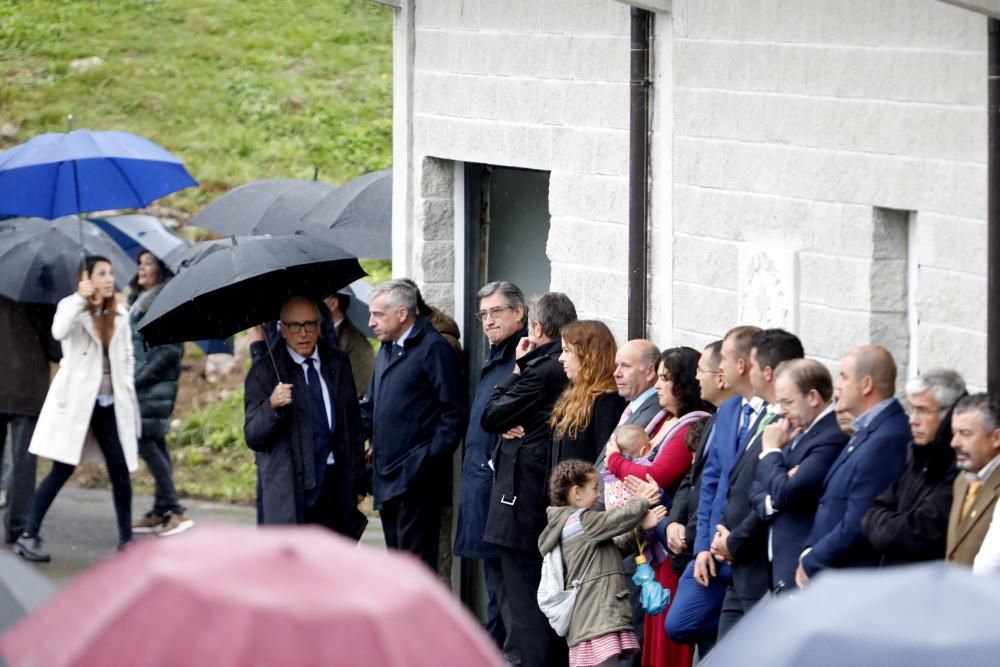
[589,408]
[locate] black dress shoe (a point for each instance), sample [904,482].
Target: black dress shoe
[29,547]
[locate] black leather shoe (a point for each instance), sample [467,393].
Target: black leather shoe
[29,547]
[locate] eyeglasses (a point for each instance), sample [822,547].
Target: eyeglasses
[298,327]
[710,372]
[492,313]
[922,411]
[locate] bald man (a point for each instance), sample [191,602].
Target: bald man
[872,460]
[303,421]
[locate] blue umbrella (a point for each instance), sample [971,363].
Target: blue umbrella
[927,615]
[63,173]
[652,595]
[139,233]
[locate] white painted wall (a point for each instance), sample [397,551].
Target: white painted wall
[792,121]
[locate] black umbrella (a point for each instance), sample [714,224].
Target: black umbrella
[22,589]
[262,207]
[235,288]
[40,259]
[360,212]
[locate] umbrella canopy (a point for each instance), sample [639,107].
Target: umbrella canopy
[58,173]
[137,233]
[929,615]
[238,595]
[243,285]
[263,207]
[40,259]
[360,212]
[22,589]
[357,311]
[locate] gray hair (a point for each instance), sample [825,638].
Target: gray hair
[945,385]
[511,292]
[987,406]
[553,311]
[400,293]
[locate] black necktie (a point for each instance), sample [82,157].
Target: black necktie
[316,391]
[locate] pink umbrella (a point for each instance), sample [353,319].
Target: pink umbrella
[234,595]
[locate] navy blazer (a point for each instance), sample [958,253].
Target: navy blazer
[873,459]
[415,412]
[795,498]
[722,454]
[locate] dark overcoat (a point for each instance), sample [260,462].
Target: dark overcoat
[283,439]
[477,476]
[415,411]
[157,371]
[520,485]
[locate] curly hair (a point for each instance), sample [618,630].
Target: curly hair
[681,366]
[565,476]
[595,345]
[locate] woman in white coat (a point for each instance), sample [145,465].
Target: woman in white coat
[91,407]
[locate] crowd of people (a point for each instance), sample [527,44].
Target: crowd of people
[737,472]
[766,470]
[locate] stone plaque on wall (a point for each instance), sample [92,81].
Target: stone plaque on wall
[768,293]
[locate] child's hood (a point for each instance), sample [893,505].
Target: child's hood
[558,516]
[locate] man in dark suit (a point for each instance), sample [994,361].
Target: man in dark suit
[504,315]
[976,424]
[741,536]
[416,412]
[796,454]
[302,420]
[694,615]
[518,410]
[873,459]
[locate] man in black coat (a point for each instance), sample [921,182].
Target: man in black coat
[26,330]
[302,420]
[519,410]
[741,539]
[909,521]
[796,455]
[415,413]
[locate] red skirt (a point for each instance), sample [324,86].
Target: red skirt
[657,649]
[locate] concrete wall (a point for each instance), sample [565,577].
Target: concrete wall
[539,84]
[819,126]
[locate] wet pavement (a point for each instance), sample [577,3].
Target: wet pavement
[79,529]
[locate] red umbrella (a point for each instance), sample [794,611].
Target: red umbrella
[234,595]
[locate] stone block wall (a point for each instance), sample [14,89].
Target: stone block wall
[824,127]
[536,84]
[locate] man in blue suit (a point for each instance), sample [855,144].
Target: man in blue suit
[796,455]
[694,615]
[872,460]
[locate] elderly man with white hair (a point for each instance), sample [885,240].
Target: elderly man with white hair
[909,521]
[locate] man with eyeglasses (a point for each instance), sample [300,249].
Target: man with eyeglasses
[504,315]
[909,522]
[303,422]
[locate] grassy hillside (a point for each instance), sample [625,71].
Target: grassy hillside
[237,89]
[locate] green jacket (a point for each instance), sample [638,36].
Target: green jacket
[602,605]
[359,353]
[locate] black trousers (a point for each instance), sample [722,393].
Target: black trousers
[326,510]
[412,522]
[102,423]
[531,641]
[154,452]
[21,489]
[493,576]
[734,607]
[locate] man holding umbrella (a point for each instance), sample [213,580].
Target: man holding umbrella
[302,419]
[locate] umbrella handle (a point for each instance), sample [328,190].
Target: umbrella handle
[95,298]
